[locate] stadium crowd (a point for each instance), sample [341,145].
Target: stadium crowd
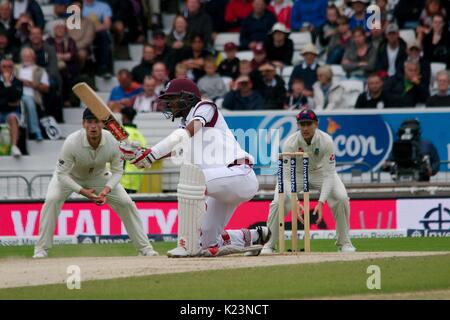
[41,58]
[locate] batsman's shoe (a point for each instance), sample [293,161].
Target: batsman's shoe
[178,252]
[347,248]
[264,235]
[148,252]
[40,254]
[216,251]
[267,251]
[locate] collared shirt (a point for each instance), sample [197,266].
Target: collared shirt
[79,162]
[311,66]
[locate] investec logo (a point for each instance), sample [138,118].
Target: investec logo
[437,218]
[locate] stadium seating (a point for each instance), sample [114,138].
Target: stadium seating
[286,74]
[124,64]
[135,52]
[106,85]
[352,90]
[300,39]
[225,37]
[408,35]
[245,55]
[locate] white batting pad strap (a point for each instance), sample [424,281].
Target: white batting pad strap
[169,143]
[191,207]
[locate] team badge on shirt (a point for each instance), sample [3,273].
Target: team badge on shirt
[332,157]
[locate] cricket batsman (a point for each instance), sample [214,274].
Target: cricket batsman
[81,168]
[322,176]
[213,158]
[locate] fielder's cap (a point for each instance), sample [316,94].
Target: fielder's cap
[309,48]
[87,114]
[392,27]
[306,115]
[243,79]
[415,44]
[267,67]
[229,46]
[158,34]
[129,112]
[259,49]
[280,27]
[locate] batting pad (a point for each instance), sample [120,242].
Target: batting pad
[191,207]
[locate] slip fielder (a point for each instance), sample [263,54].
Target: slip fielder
[322,176]
[81,168]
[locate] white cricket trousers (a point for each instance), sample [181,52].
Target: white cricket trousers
[226,188]
[338,201]
[118,199]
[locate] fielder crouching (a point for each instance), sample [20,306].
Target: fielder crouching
[322,176]
[82,169]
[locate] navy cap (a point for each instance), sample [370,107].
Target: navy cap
[306,115]
[87,114]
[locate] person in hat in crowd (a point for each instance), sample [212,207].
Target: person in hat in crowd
[271,87]
[78,172]
[442,97]
[391,54]
[282,10]
[329,28]
[242,96]
[359,17]
[328,93]
[229,67]
[279,47]
[339,41]
[415,53]
[322,177]
[259,57]
[307,70]
[375,96]
[296,100]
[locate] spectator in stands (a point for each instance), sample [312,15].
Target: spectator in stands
[23,27]
[215,9]
[32,8]
[376,37]
[125,93]
[163,53]
[7,22]
[407,13]
[235,12]
[67,55]
[271,87]
[255,27]
[442,97]
[432,8]
[83,37]
[307,70]
[199,22]
[278,46]
[436,44]
[296,100]
[5,49]
[35,82]
[309,15]
[194,57]
[146,101]
[180,71]
[144,69]
[375,97]
[129,23]
[391,54]
[259,57]
[339,41]
[101,14]
[60,8]
[359,57]
[406,89]
[229,67]
[211,84]
[330,27]
[359,17]
[243,97]
[282,10]
[384,11]
[10,95]
[178,38]
[328,94]
[161,76]
[415,53]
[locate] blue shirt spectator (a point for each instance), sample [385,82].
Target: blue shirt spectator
[308,11]
[96,8]
[125,93]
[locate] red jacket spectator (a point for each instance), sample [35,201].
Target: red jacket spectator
[236,11]
[282,10]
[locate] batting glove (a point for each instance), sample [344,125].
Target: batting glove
[129,149]
[144,158]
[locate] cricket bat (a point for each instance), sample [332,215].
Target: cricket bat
[88,96]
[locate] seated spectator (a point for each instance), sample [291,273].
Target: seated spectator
[83,37]
[255,27]
[296,100]
[259,57]
[60,8]
[211,84]
[328,94]
[129,22]
[23,27]
[235,12]
[432,8]
[144,69]
[163,52]
[7,22]
[375,97]
[180,71]
[125,93]
[282,10]
[339,41]
[407,13]
[359,17]
[161,76]
[376,37]
[10,95]
[359,57]
[308,15]
[178,38]
[198,21]
[436,44]
[330,27]
[406,89]
[146,101]
[194,56]
[243,97]
[101,14]
[442,97]
[35,82]
[415,53]
[279,47]
[307,70]
[229,67]
[30,7]
[67,55]
[391,54]
[215,9]
[271,87]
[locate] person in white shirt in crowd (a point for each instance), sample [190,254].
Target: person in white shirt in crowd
[146,101]
[328,94]
[81,168]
